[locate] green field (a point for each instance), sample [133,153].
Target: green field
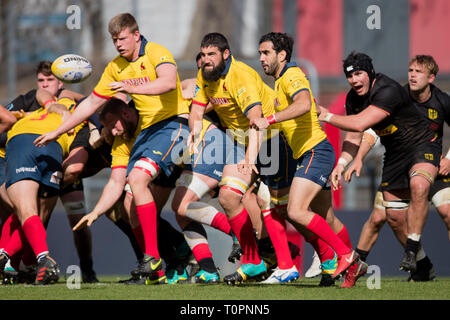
[303,289]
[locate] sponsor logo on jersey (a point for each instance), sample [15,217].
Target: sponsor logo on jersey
[386,131]
[219,101]
[137,81]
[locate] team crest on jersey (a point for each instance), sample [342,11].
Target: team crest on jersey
[432,114]
[224,88]
[429,156]
[276,102]
[142,66]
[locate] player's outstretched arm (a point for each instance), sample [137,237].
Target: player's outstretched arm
[7,119]
[356,122]
[110,195]
[195,126]
[84,110]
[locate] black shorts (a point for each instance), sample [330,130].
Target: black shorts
[98,159]
[163,180]
[439,184]
[81,139]
[396,166]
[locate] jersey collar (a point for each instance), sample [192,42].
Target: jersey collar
[227,65]
[287,66]
[143,44]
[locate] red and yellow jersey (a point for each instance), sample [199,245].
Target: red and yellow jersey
[234,94]
[304,132]
[41,121]
[151,108]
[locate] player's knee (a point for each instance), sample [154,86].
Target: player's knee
[378,218]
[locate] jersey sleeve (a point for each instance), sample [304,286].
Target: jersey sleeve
[200,96]
[26,102]
[294,83]
[102,89]
[387,98]
[446,108]
[159,55]
[245,92]
[120,153]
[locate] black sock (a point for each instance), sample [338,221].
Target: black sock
[362,254]
[412,245]
[208,265]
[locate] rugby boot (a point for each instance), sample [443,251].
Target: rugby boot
[157,277]
[408,262]
[282,276]
[357,270]
[236,251]
[149,264]
[328,267]
[3,261]
[207,277]
[425,271]
[314,270]
[10,275]
[47,271]
[344,262]
[246,272]
[177,275]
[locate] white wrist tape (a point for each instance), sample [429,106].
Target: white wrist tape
[343,161]
[328,117]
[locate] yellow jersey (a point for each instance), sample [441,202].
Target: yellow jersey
[40,121]
[238,90]
[151,108]
[304,132]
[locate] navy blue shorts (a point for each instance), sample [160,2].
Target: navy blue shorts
[162,143]
[276,163]
[25,161]
[215,150]
[317,163]
[2,170]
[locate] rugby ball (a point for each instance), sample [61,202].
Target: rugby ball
[71,68]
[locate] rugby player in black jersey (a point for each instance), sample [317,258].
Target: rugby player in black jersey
[412,155]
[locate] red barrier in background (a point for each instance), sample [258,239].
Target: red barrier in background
[334,135]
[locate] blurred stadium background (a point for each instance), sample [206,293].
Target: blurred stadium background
[325,31]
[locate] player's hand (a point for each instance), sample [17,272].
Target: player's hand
[336,176]
[19,114]
[444,167]
[46,138]
[355,167]
[192,143]
[246,168]
[95,138]
[322,113]
[121,87]
[86,221]
[259,123]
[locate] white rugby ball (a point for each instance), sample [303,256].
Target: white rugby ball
[71,68]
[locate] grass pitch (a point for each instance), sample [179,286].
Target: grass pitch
[303,289]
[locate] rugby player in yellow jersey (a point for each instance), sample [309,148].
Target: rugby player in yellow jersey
[238,95]
[295,110]
[148,73]
[37,172]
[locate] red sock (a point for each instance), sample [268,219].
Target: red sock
[243,229]
[28,256]
[220,222]
[147,215]
[276,229]
[35,234]
[201,251]
[16,237]
[344,236]
[320,227]
[7,227]
[323,250]
[139,237]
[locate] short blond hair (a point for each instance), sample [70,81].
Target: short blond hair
[426,61]
[121,22]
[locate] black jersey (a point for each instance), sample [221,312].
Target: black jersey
[435,111]
[27,102]
[404,128]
